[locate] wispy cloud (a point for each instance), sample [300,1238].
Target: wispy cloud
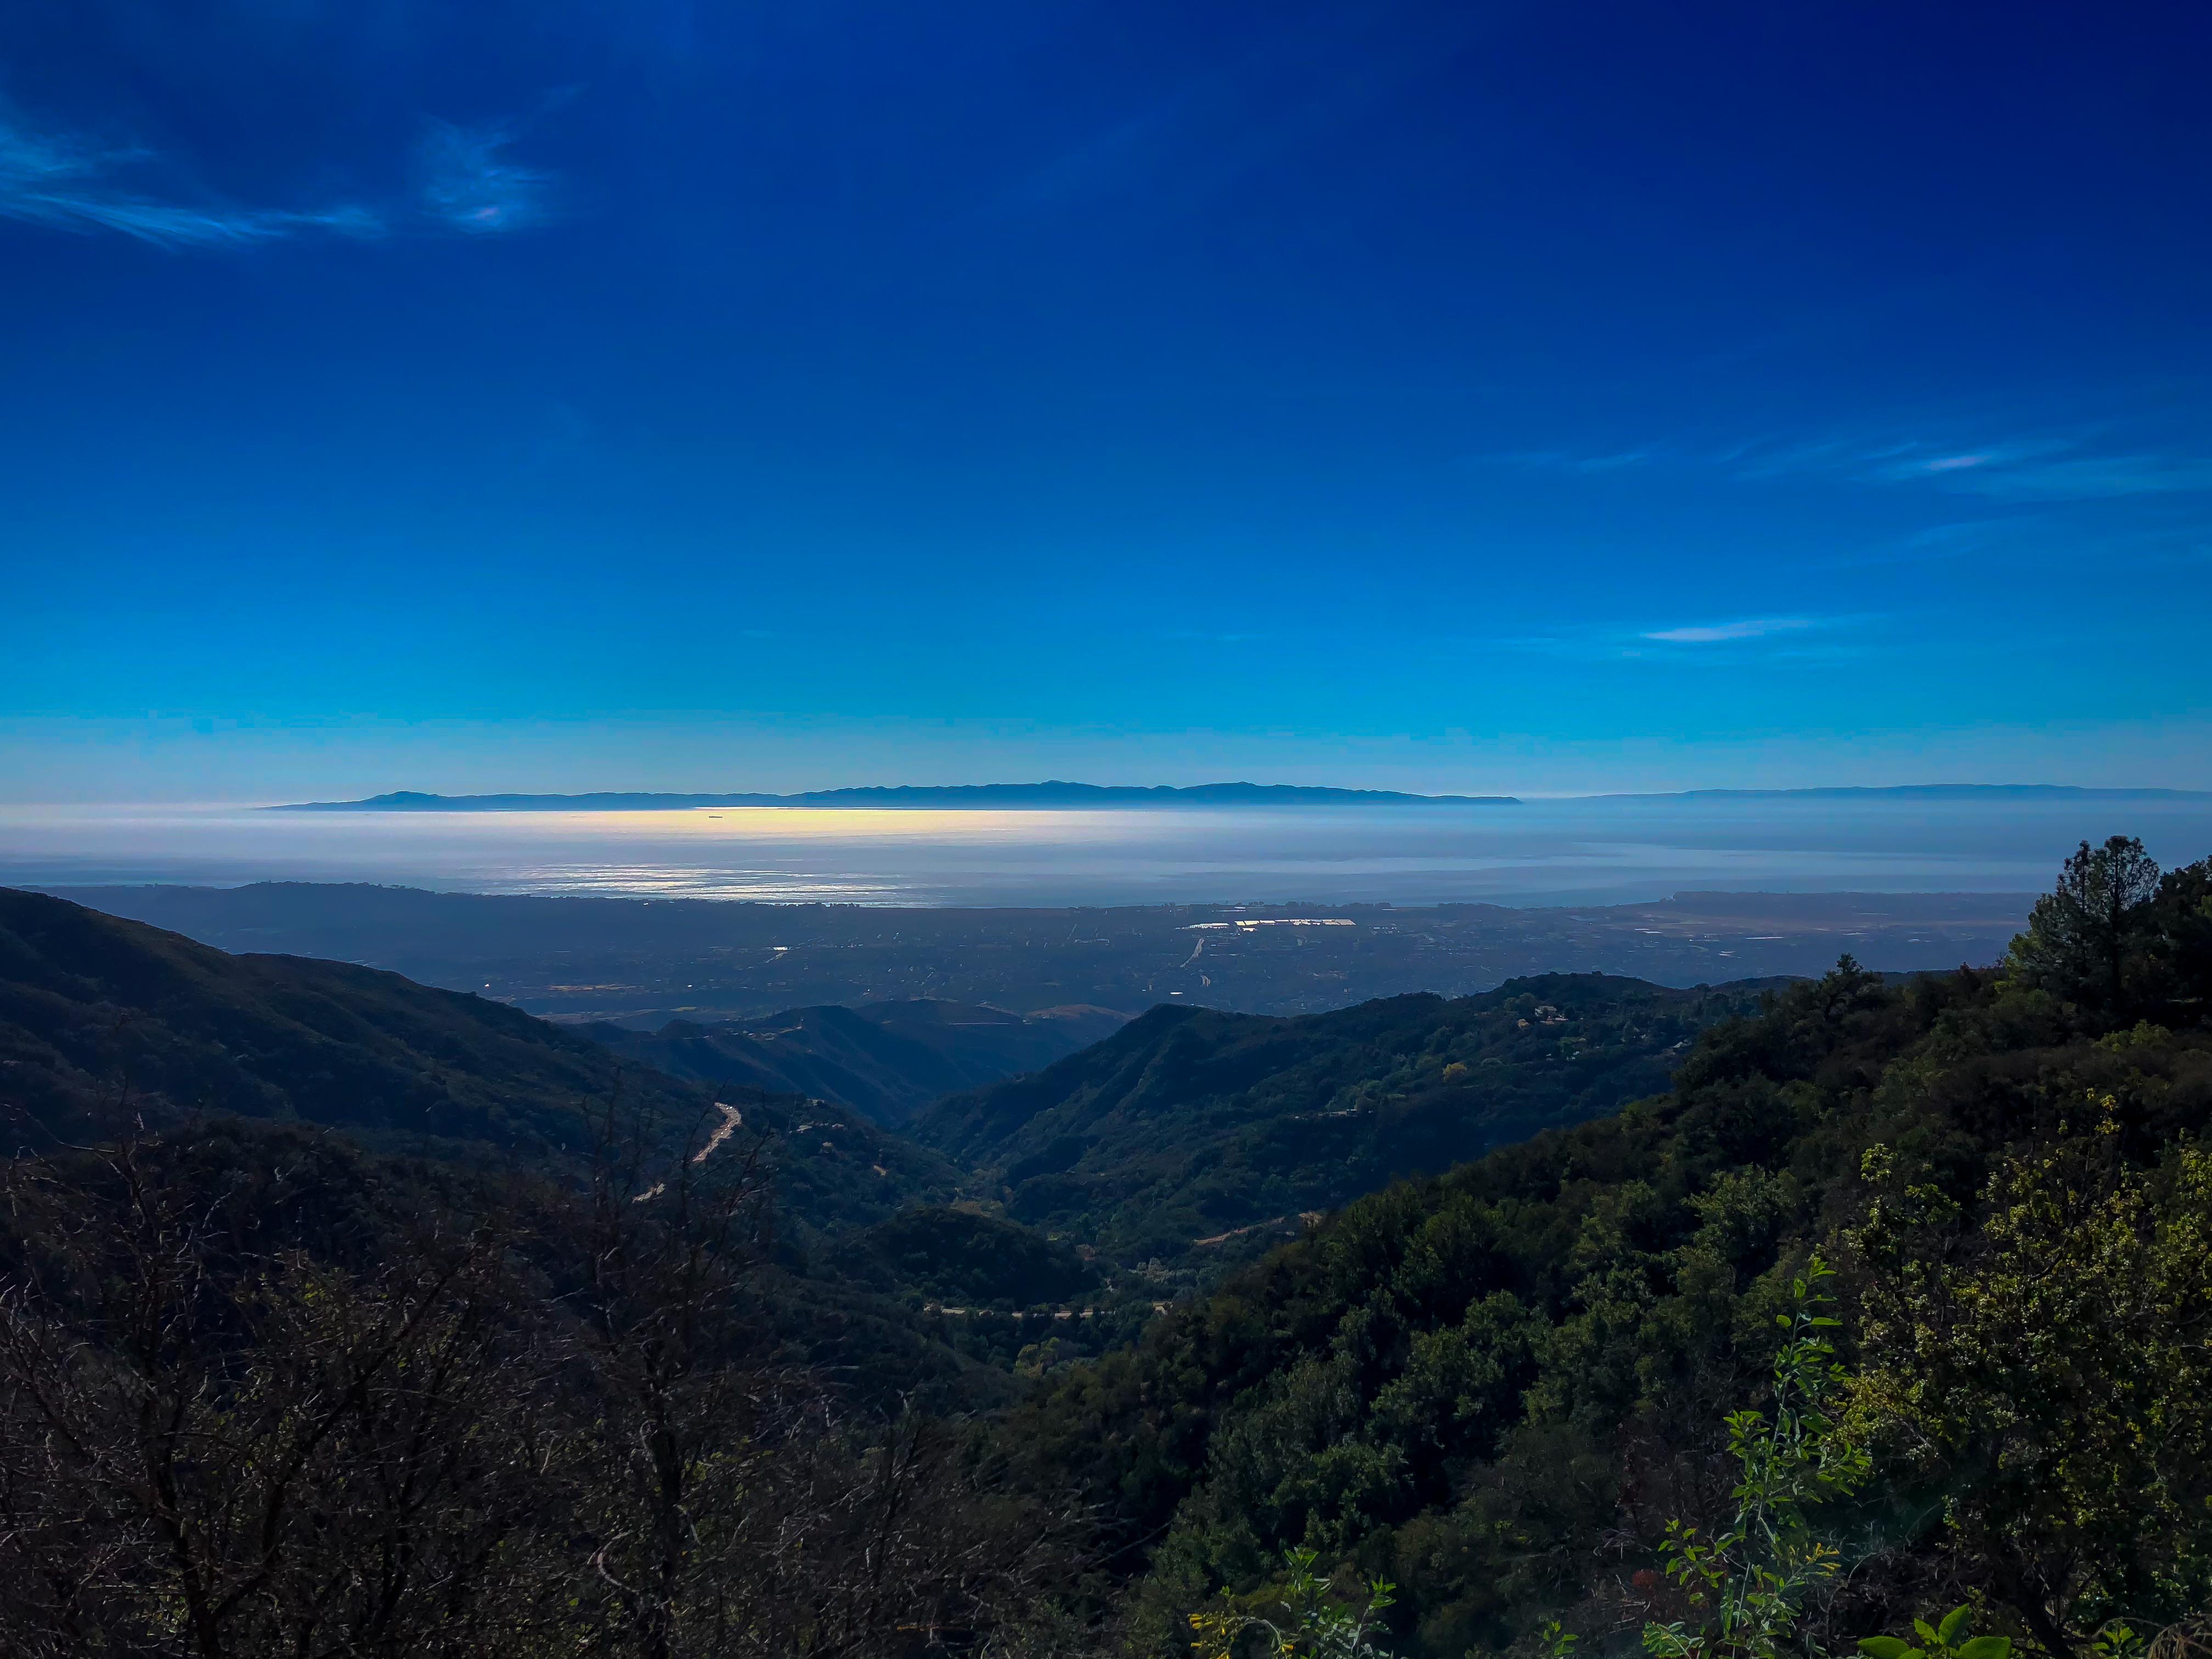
[1730,639]
[2029,468]
[2043,468]
[67,183]
[70,185]
[470,183]
[1748,628]
[2040,468]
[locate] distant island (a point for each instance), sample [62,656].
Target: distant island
[1051,794]
[1055,794]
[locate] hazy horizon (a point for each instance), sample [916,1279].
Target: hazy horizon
[1591,850]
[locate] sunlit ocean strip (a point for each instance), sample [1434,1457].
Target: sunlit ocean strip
[1542,851]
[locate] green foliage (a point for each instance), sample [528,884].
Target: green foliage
[2050,1373]
[1751,1581]
[1314,1625]
[1461,1382]
[1952,1638]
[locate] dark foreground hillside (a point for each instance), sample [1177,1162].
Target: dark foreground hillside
[263,1392]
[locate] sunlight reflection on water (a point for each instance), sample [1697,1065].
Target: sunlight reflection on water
[1541,851]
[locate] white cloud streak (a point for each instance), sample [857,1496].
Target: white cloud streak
[1732,638]
[1748,628]
[67,184]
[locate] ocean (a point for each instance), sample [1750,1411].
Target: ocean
[1616,849]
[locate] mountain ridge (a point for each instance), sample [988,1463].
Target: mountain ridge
[1055,794]
[1051,793]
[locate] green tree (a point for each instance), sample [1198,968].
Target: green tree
[2183,913]
[2088,939]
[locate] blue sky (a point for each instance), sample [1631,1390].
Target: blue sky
[1530,398]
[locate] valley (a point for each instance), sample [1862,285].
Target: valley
[925,1157]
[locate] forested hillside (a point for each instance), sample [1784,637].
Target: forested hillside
[1498,1387]
[266,1390]
[102,1019]
[1192,1137]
